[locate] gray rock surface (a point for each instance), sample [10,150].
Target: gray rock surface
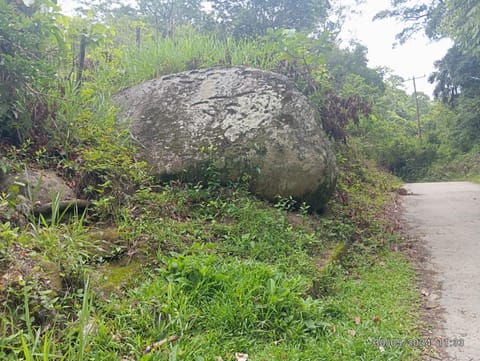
[256,123]
[32,190]
[36,185]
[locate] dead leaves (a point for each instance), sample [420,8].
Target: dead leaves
[358,321]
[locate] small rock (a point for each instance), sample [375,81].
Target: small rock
[431,305]
[424,292]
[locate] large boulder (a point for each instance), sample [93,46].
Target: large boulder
[257,123]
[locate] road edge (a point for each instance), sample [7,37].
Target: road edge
[432,315]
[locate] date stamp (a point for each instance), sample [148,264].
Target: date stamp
[418,342]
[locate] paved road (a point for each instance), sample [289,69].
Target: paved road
[447,217]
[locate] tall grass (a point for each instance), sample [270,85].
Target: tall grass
[85,325]
[39,342]
[191,50]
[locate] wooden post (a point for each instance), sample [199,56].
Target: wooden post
[138,34]
[81,60]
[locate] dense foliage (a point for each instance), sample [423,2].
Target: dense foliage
[457,84]
[30,43]
[254,17]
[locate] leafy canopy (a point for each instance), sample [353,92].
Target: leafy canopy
[30,43]
[456,73]
[255,17]
[417,16]
[457,19]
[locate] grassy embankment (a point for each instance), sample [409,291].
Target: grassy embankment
[220,270]
[196,271]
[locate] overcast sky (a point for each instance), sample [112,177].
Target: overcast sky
[415,58]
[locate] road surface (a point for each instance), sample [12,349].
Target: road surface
[446,217]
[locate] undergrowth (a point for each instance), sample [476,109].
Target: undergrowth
[456,168]
[194,271]
[202,272]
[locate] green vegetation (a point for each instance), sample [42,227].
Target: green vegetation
[218,269]
[452,127]
[176,271]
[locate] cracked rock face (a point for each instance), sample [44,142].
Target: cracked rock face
[257,123]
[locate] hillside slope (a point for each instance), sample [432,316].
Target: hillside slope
[202,272]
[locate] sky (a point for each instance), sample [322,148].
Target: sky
[415,58]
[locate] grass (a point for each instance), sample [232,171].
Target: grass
[196,271]
[475,179]
[459,168]
[221,272]
[219,308]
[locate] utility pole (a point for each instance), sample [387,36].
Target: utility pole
[416,105]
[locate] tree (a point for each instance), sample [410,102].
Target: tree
[458,85]
[167,15]
[466,126]
[457,73]
[427,16]
[462,23]
[344,65]
[458,19]
[254,17]
[390,134]
[29,51]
